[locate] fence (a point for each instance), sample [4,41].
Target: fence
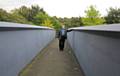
[19,44]
[97,49]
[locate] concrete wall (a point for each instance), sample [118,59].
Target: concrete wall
[19,44]
[97,49]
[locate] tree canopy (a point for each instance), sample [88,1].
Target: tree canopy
[30,15]
[36,15]
[93,17]
[113,16]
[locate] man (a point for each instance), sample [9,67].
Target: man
[62,35]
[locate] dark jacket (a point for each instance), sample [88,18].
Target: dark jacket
[60,36]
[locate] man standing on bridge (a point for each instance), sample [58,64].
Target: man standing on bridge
[62,35]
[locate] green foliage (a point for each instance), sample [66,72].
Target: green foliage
[91,12]
[71,22]
[56,24]
[11,17]
[23,11]
[40,18]
[35,9]
[92,21]
[67,22]
[33,15]
[18,19]
[47,22]
[113,16]
[92,17]
[28,13]
[4,16]
[76,22]
[36,15]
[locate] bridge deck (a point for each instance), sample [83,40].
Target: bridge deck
[52,62]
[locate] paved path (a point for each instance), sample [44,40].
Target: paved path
[52,62]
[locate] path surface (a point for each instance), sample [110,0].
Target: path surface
[52,62]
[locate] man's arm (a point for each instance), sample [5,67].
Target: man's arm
[69,30]
[58,34]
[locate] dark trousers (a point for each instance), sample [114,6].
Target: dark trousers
[61,44]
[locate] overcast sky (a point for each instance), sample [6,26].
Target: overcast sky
[63,8]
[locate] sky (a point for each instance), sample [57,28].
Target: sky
[63,8]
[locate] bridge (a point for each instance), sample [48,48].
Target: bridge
[27,50]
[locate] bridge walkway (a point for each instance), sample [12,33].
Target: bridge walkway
[52,62]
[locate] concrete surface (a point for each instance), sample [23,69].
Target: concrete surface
[103,27]
[19,46]
[98,52]
[52,62]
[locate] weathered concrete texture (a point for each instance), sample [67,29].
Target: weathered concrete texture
[52,62]
[19,44]
[98,52]
[19,47]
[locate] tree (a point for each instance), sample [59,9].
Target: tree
[23,11]
[55,23]
[66,22]
[34,10]
[76,22]
[47,22]
[39,18]
[4,16]
[92,17]
[11,17]
[28,13]
[43,19]
[113,16]
[71,22]
[18,19]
